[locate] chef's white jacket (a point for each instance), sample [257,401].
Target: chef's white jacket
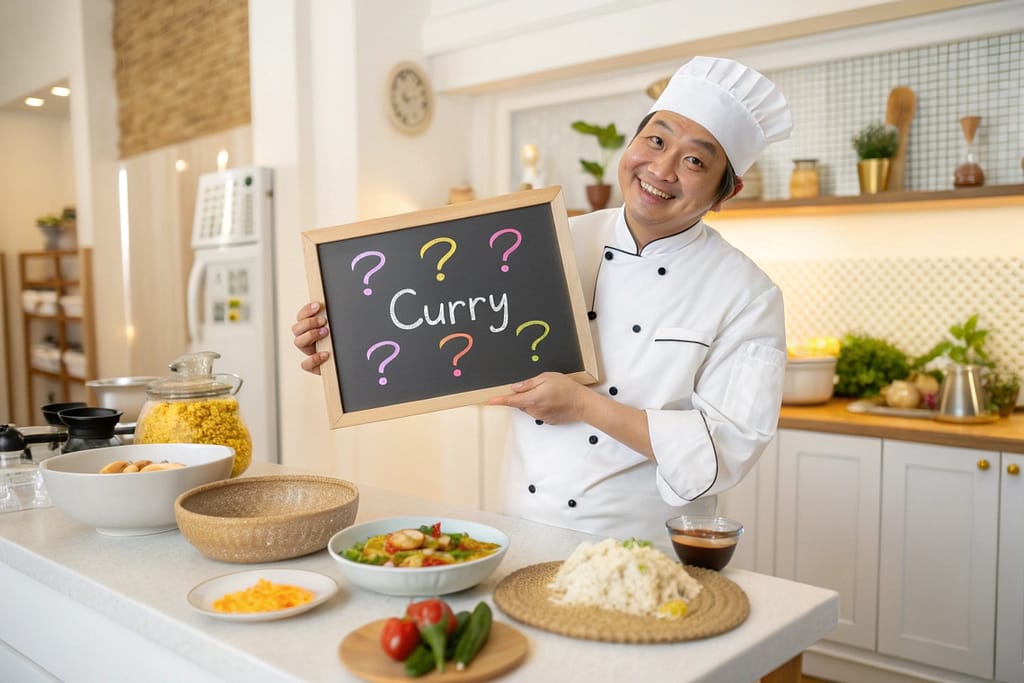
[690,330]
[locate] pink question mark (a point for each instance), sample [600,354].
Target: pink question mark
[371,271]
[515,245]
[380,368]
[460,354]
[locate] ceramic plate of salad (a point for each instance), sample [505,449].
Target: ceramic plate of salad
[418,555]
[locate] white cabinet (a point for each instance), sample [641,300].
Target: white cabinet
[1010,610]
[937,579]
[752,504]
[828,518]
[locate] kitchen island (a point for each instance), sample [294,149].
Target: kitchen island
[80,606]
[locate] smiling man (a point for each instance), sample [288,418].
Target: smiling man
[689,332]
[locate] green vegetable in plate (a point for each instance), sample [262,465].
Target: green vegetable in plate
[866,364]
[420,662]
[477,631]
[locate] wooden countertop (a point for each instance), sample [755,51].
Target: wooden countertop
[1006,434]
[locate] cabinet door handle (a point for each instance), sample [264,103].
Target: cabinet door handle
[1012,469]
[983,464]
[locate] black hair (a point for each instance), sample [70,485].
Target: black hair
[728,182]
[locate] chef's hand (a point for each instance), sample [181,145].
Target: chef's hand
[309,328]
[557,399]
[550,396]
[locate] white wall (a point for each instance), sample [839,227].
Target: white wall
[36,178]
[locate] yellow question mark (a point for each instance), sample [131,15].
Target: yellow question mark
[538,340]
[440,264]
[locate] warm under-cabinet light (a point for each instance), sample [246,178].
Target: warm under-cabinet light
[222,160]
[180,165]
[60,91]
[34,101]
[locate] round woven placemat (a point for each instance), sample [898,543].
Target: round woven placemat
[524,595]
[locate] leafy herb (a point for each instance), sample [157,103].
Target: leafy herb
[866,364]
[636,543]
[608,139]
[967,346]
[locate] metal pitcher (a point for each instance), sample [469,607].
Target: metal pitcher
[963,397]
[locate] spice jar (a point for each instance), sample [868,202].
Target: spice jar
[804,181]
[196,406]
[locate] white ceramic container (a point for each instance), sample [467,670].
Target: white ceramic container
[809,380]
[417,581]
[131,504]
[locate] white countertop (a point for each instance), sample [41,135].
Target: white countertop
[91,607]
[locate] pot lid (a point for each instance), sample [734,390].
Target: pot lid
[193,378]
[11,440]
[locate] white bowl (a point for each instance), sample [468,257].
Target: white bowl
[131,504]
[809,380]
[126,394]
[418,581]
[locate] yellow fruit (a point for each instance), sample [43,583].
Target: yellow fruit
[674,608]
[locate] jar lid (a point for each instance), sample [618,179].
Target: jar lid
[193,378]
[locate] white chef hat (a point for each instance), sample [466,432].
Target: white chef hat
[739,106]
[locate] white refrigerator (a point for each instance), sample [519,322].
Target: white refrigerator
[231,292]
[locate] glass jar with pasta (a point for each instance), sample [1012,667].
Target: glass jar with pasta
[196,406]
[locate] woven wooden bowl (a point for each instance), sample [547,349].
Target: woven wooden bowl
[265,519]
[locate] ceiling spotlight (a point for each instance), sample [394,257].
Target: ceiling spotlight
[60,91]
[34,101]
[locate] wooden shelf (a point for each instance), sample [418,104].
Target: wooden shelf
[57,323]
[988,196]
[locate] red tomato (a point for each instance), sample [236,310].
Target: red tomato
[399,638]
[435,530]
[432,611]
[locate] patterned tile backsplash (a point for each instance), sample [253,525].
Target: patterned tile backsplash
[830,102]
[910,302]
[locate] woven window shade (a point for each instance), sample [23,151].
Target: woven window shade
[182,70]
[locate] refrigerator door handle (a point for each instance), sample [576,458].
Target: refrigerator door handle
[195,282]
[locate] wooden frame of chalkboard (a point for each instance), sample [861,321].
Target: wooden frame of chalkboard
[447,307]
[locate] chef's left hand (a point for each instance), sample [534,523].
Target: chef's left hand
[550,396]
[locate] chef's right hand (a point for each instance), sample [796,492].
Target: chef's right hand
[309,328]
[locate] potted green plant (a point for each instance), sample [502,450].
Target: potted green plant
[1003,389]
[875,145]
[609,139]
[52,229]
[963,383]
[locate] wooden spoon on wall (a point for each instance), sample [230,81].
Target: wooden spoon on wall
[899,112]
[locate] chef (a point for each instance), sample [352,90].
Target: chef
[689,332]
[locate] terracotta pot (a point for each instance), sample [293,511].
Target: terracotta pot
[598,196]
[873,175]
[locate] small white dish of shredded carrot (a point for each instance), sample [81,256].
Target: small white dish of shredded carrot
[262,594]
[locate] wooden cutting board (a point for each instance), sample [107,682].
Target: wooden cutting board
[899,112]
[361,654]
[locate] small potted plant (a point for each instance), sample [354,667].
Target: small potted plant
[1003,389]
[608,139]
[966,361]
[52,229]
[875,145]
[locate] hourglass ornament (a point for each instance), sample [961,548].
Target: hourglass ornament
[969,173]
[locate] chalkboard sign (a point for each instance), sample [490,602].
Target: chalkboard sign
[447,307]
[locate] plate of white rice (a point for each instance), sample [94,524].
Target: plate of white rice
[625,576]
[622,592]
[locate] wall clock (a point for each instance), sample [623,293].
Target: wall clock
[410,101]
